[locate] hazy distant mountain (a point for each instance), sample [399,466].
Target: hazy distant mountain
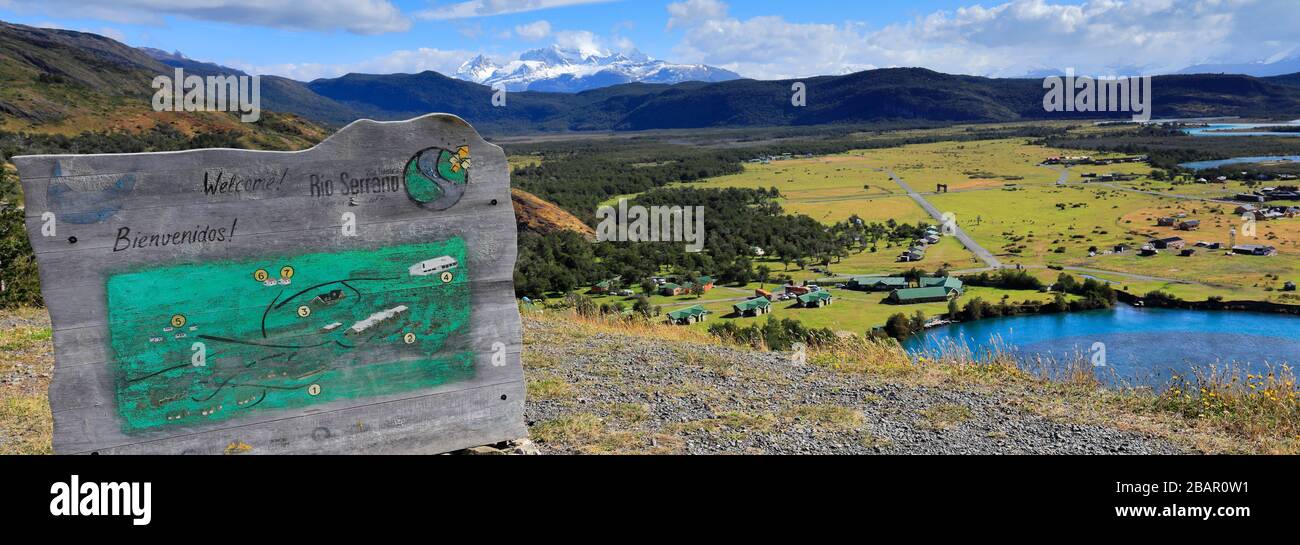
[1280,67]
[43,68]
[556,69]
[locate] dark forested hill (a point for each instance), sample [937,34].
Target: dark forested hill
[72,72]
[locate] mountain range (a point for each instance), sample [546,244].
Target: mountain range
[50,75]
[556,69]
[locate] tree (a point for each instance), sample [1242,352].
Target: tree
[954,311]
[764,274]
[898,326]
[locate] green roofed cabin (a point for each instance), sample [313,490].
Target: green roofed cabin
[816,299]
[606,286]
[877,283]
[913,296]
[753,307]
[946,282]
[671,290]
[688,316]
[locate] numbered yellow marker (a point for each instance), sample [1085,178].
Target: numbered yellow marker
[409,338]
[313,390]
[286,273]
[178,320]
[261,275]
[446,277]
[304,311]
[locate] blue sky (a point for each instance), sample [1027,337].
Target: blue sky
[757,38]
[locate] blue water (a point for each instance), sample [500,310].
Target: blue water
[1142,346]
[1202,165]
[1219,129]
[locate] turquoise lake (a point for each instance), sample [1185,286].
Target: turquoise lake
[1141,346]
[1202,165]
[1223,129]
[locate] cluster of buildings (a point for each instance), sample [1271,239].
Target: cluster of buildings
[917,251]
[1178,244]
[1088,160]
[762,303]
[1264,213]
[767,159]
[1268,194]
[1111,177]
[929,289]
[673,287]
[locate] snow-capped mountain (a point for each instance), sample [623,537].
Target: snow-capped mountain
[556,69]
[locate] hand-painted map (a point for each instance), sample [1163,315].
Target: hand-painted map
[200,343]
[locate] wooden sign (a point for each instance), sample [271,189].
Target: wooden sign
[357,297]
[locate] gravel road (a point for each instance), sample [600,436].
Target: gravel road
[737,401]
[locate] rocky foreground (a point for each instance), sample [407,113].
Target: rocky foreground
[612,393]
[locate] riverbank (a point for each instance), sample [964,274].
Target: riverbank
[1166,301]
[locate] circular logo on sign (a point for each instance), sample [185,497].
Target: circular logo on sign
[304,311]
[313,390]
[447,277]
[286,272]
[261,275]
[409,338]
[436,177]
[178,320]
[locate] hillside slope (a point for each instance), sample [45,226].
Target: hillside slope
[64,82]
[533,214]
[598,387]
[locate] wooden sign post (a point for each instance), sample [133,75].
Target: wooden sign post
[356,297]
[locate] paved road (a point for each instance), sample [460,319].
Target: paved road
[966,240]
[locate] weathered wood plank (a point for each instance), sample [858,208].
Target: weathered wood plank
[354,297]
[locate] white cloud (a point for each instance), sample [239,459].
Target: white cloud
[579,40]
[1009,39]
[534,31]
[397,62]
[485,8]
[356,16]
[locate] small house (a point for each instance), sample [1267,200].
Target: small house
[1148,251]
[1169,243]
[816,299]
[1289,286]
[1189,225]
[798,290]
[688,316]
[671,290]
[1166,222]
[606,286]
[1188,252]
[1255,250]
[1122,248]
[948,283]
[754,307]
[877,283]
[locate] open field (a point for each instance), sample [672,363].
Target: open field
[858,312]
[1013,207]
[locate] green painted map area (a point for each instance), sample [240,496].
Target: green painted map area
[200,343]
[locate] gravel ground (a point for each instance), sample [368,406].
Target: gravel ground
[625,394]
